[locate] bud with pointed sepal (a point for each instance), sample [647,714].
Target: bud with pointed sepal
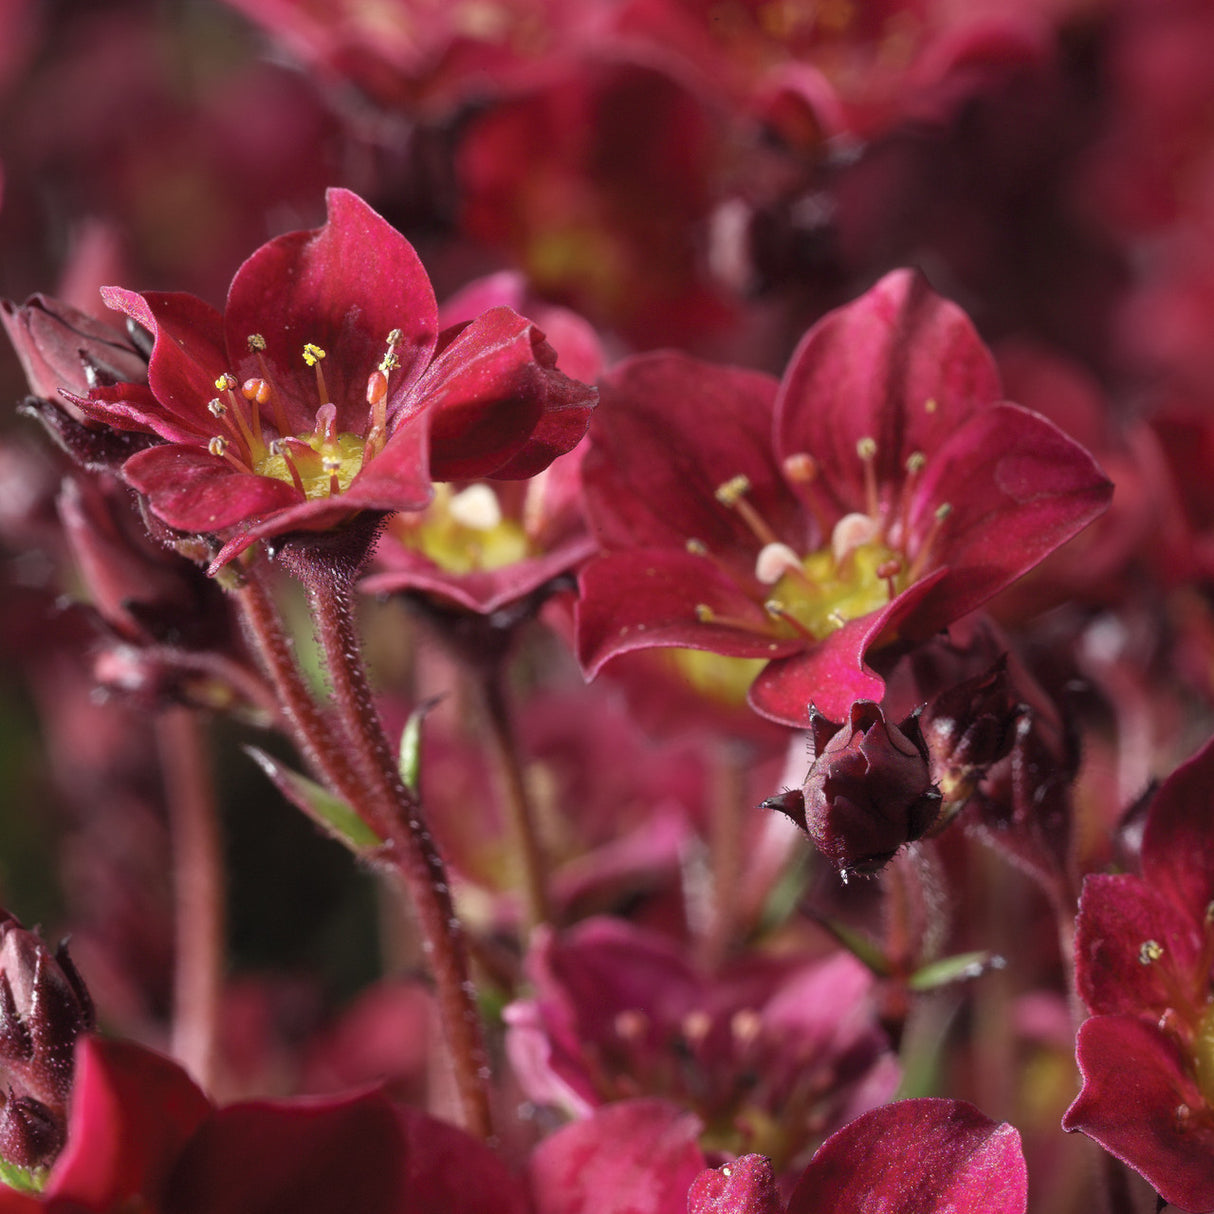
[868,789]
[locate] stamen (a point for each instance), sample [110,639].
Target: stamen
[281,449]
[312,354]
[801,471]
[930,405]
[852,531]
[915,463]
[696,547]
[745,1027]
[1150,951]
[921,557]
[391,360]
[778,611]
[256,392]
[220,446]
[732,494]
[253,445]
[866,449]
[257,345]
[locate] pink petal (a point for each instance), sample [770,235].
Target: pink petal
[745,1186]
[1176,852]
[638,1156]
[925,1156]
[1139,1103]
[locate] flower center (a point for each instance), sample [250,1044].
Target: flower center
[320,463]
[866,563]
[464,531]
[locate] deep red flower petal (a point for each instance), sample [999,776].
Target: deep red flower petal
[343,287]
[1140,1104]
[668,431]
[195,491]
[307,1156]
[832,674]
[1017,488]
[1176,854]
[133,407]
[498,406]
[925,1156]
[1117,916]
[132,1113]
[648,596]
[900,365]
[636,1155]
[188,355]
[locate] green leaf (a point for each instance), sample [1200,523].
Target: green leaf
[960,968]
[333,815]
[411,745]
[858,944]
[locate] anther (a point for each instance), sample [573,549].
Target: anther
[745,1026]
[218,445]
[696,547]
[256,390]
[801,468]
[930,405]
[705,614]
[391,360]
[256,343]
[778,611]
[216,407]
[312,355]
[1150,951]
[732,493]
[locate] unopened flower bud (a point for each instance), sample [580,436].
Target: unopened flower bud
[868,790]
[44,1007]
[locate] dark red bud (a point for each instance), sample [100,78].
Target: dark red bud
[869,788]
[30,1134]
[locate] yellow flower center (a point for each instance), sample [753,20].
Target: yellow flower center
[464,531]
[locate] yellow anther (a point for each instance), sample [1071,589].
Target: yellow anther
[395,337]
[943,511]
[730,492]
[312,354]
[915,462]
[866,448]
[1150,951]
[226,382]
[218,445]
[696,547]
[775,608]
[704,613]
[256,342]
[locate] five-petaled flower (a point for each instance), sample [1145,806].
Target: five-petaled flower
[325,388]
[880,491]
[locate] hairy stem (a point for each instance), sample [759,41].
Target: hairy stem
[412,854]
[197,891]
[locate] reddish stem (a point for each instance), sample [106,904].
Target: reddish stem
[197,891]
[411,850]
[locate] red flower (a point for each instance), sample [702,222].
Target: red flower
[1144,952]
[876,494]
[325,389]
